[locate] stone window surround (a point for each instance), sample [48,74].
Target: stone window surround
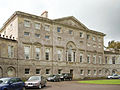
[47,71]
[27,71]
[36,52]
[38,71]
[37,25]
[28,51]
[27,23]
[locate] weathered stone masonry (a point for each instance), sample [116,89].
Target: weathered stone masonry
[43,46]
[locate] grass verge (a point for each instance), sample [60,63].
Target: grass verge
[113,81]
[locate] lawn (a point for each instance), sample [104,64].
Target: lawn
[113,81]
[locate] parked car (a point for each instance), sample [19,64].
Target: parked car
[67,76]
[114,76]
[35,82]
[61,77]
[12,83]
[54,78]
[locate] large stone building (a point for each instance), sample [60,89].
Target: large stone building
[36,45]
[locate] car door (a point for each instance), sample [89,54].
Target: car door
[12,84]
[42,82]
[116,76]
[19,84]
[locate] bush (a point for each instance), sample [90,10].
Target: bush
[24,79]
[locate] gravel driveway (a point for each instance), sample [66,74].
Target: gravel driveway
[73,85]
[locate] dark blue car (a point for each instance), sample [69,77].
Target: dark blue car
[11,84]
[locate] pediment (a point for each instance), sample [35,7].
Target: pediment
[71,21]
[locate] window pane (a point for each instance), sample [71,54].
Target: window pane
[59,54]
[81,72]
[37,71]
[26,33]
[47,37]
[58,29]
[26,23]
[10,51]
[59,71]
[95,72]
[37,35]
[81,57]
[47,54]
[27,71]
[37,25]
[37,51]
[27,52]
[88,59]
[70,31]
[88,36]
[47,27]
[81,34]
[47,71]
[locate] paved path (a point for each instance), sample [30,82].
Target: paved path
[73,85]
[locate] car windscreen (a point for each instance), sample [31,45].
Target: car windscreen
[34,78]
[4,80]
[51,75]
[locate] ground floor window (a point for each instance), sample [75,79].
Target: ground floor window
[89,72]
[27,71]
[59,71]
[37,71]
[95,72]
[100,72]
[81,72]
[47,71]
[71,71]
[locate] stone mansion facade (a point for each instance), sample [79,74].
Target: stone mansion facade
[36,45]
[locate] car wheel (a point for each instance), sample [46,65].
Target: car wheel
[45,85]
[5,89]
[40,86]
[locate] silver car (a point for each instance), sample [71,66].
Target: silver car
[114,76]
[35,82]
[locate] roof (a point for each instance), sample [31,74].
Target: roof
[49,20]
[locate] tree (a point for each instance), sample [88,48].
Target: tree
[114,45]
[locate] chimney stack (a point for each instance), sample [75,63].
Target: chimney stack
[44,14]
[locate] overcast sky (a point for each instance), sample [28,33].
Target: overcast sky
[98,15]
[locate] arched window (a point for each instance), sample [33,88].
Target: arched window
[1,72]
[59,53]
[11,72]
[114,71]
[71,51]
